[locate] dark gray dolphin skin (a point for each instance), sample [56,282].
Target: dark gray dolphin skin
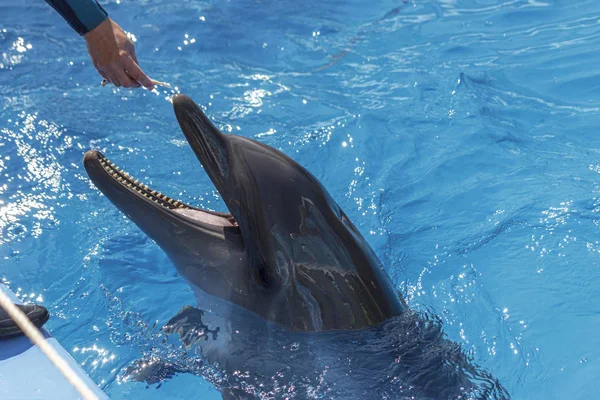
[286,251]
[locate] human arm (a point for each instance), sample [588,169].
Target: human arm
[112,52]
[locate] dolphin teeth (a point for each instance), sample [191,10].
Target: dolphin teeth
[134,184]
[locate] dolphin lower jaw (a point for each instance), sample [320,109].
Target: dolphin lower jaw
[133,197]
[127,181]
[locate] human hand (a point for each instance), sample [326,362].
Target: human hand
[113,55]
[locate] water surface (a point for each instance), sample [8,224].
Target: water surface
[460,136]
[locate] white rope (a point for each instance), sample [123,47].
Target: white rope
[34,334]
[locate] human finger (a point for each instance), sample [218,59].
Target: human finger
[125,79]
[112,77]
[135,72]
[103,75]
[132,54]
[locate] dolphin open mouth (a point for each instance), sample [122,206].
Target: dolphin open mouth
[108,176]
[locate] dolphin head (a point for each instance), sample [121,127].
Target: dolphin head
[285,250]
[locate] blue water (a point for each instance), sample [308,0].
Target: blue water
[460,136]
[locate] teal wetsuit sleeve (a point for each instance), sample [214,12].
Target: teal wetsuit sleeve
[82,15]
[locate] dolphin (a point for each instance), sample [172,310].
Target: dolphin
[285,251]
[287,265]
